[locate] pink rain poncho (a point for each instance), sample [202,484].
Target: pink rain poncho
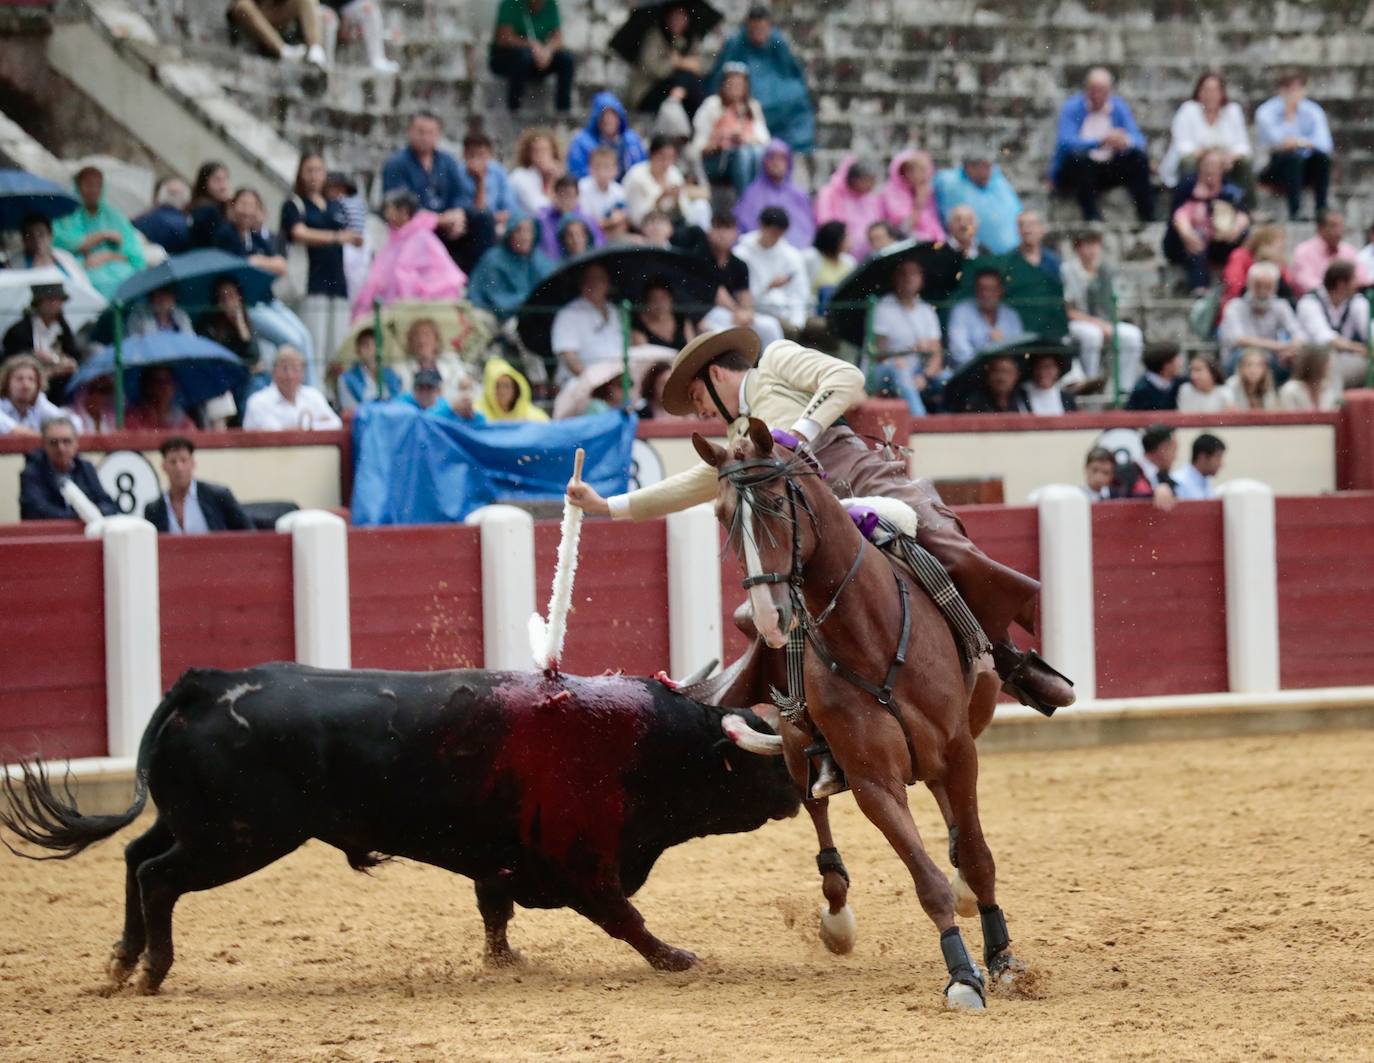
[414,264]
[838,202]
[899,200]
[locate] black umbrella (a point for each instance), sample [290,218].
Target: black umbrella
[847,313]
[647,16]
[630,269]
[1024,348]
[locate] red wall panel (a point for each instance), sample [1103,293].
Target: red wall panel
[619,617]
[416,597]
[1325,548]
[52,665]
[226,601]
[1160,586]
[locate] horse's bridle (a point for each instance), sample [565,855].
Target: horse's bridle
[749,473]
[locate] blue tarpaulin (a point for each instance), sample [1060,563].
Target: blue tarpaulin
[413,469]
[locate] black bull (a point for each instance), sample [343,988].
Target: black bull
[547,792]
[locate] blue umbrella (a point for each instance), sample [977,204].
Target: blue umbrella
[193,275]
[23,194]
[202,367]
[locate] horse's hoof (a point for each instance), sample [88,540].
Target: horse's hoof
[671,959]
[1003,971]
[838,929]
[961,997]
[965,901]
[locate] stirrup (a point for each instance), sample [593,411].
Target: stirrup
[835,782]
[1027,661]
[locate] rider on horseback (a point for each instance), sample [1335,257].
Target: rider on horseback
[806,393]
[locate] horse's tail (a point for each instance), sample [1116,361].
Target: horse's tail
[39,815]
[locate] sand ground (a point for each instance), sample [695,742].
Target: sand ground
[1208,900]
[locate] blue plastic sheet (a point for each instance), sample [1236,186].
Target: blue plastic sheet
[414,469]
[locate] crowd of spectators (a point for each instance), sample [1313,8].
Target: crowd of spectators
[703,160]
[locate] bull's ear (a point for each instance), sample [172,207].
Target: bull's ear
[737,729]
[710,453]
[760,436]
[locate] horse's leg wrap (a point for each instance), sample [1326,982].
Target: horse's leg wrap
[996,940]
[829,860]
[959,963]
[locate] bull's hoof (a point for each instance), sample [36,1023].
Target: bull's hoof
[148,982]
[119,967]
[965,901]
[507,957]
[838,929]
[671,959]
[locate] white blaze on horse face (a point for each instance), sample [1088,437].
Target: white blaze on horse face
[765,612]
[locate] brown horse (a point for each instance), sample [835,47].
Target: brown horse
[884,681]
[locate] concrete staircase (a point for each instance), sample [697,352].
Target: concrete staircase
[945,74]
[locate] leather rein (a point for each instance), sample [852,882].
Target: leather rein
[750,473]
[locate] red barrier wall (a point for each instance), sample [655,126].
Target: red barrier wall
[226,601]
[1160,586]
[52,666]
[620,596]
[415,597]
[1325,549]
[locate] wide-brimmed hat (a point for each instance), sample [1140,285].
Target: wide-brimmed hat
[48,291]
[700,353]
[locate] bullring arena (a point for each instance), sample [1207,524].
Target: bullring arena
[686,530]
[1181,900]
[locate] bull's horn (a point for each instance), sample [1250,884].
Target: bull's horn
[750,740]
[701,673]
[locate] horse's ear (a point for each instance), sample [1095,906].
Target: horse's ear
[709,452]
[760,436]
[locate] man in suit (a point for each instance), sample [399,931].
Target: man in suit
[47,471]
[1149,477]
[190,506]
[805,392]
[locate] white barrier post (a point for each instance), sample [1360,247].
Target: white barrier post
[694,625]
[507,585]
[319,565]
[1252,588]
[1067,611]
[133,629]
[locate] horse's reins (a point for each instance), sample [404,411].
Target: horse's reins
[737,473]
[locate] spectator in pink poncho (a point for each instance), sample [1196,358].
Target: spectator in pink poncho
[909,197]
[850,196]
[414,264]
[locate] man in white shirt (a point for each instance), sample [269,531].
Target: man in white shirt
[1259,319]
[777,271]
[1194,482]
[658,184]
[289,404]
[587,331]
[1334,316]
[906,335]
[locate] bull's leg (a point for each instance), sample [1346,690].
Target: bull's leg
[124,957]
[884,803]
[497,908]
[163,879]
[611,910]
[975,858]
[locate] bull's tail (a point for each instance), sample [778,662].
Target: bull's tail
[38,814]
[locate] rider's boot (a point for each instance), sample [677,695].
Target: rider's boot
[1028,678]
[826,779]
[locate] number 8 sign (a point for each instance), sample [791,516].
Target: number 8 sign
[130,479]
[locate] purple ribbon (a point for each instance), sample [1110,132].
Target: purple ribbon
[865,519]
[786,439]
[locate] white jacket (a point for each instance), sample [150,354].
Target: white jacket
[1190,134]
[789,302]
